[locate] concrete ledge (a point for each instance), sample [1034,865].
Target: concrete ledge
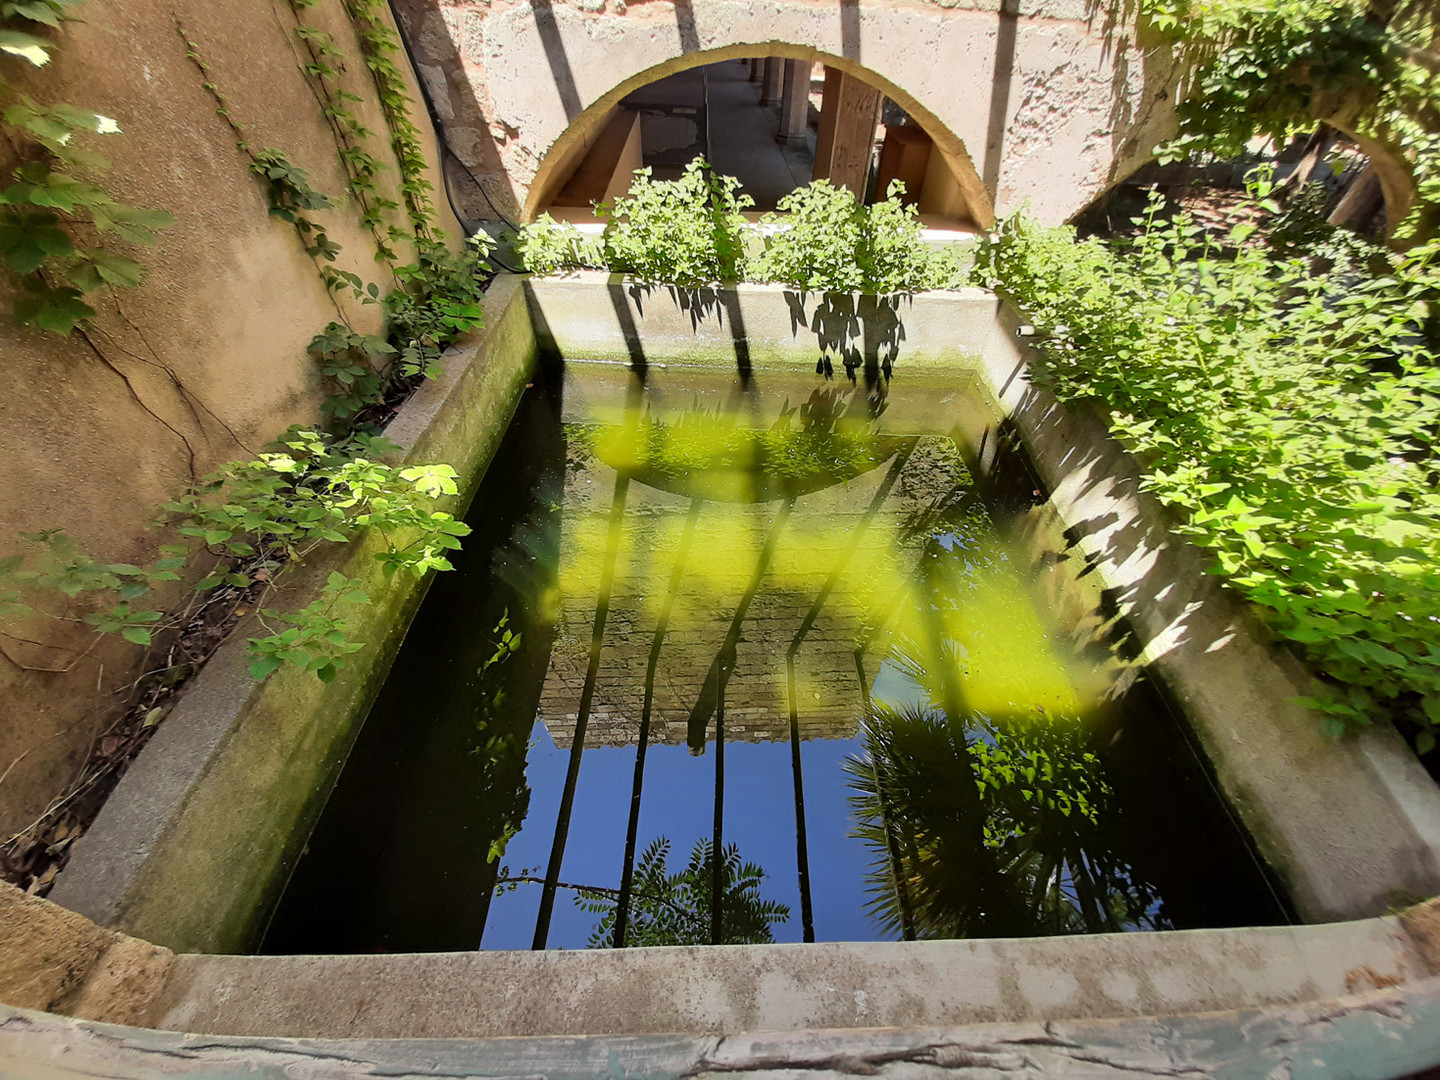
[593,315]
[782,987]
[196,842]
[1376,1035]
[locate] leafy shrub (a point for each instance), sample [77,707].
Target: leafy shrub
[352,363]
[315,489]
[547,246]
[823,239]
[251,518]
[684,232]
[1276,68]
[1287,415]
[816,245]
[691,232]
[437,299]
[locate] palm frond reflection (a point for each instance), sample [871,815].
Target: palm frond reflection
[1027,857]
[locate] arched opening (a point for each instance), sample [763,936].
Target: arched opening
[773,116]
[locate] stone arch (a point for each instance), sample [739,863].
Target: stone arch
[1051,102]
[560,156]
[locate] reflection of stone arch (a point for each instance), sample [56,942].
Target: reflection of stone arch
[561,156]
[1049,107]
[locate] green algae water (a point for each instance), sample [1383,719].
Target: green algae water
[780,619]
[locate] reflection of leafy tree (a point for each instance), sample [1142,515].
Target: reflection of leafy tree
[1037,826]
[809,446]
[500,741]
[674,909]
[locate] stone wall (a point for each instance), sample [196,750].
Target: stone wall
[94,446]
[54,959]
[1049,106]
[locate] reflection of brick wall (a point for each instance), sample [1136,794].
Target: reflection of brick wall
[726,546]
[755,704]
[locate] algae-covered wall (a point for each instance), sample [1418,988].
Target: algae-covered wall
[205,361]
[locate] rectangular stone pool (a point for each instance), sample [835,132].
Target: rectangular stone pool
[779,615]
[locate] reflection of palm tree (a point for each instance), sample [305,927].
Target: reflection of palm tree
[674,909]
[1029,857]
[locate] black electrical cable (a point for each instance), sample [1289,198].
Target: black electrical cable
[445,146]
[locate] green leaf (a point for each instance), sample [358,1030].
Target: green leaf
[56,310]
[112,269]
[25,46]
[28,239]
[136,634]
[132,223]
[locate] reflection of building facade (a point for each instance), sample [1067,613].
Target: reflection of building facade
[755,701]
[719,570]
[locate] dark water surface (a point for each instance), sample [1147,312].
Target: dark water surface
[795,596]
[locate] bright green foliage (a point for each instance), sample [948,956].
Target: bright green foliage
[685,232]
[547,246]
[674,909]
[316,638]
[1285,413]
[53,189]
[252,518]
[691,232]
[313,489]
[823,239]
[1276,67]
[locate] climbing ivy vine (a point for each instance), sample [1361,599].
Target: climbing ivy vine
[253,517]
[379,46]
[362,168]
[58,224]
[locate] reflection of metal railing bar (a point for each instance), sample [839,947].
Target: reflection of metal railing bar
[724,666]
[587,696]
[881,494]
[802,842]
[892,843]
[622,905]
[717,843]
